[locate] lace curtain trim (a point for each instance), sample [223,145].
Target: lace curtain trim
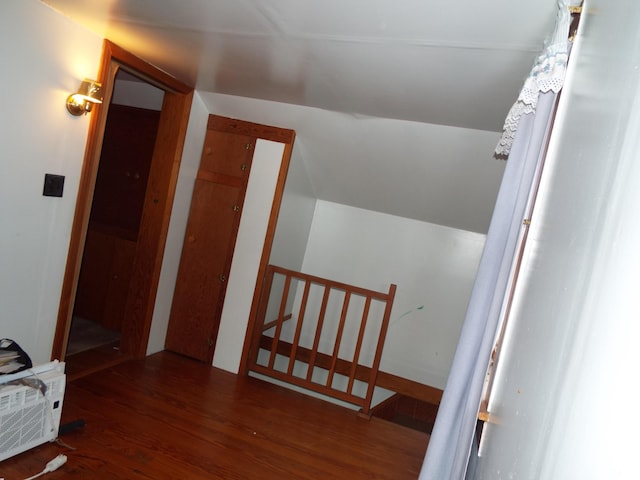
[547,74]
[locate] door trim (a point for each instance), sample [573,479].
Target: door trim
[154,224]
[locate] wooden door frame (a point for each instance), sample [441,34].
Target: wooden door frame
[158,201]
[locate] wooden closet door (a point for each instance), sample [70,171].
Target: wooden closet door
[212,227]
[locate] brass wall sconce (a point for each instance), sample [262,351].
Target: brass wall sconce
[89,93]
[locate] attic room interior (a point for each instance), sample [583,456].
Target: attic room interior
[363,138]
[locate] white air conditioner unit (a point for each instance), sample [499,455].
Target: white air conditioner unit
[27,417]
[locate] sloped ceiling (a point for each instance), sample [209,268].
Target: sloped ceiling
[432,62]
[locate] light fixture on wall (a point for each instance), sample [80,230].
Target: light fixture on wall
[90,92]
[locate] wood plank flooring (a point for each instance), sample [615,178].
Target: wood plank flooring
[169,417]
[94,360]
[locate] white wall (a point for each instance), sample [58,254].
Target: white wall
[294,221]
[44,57]
[434,173]
[433,266]
[566,396]
[296,214]
[265,167]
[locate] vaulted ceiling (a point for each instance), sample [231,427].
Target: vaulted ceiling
[420,65]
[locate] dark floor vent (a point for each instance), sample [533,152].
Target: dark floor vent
[407,411]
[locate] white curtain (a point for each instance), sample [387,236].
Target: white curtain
[526,132]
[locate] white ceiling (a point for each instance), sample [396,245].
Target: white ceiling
[441,62]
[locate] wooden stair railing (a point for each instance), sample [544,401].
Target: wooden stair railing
[327,372]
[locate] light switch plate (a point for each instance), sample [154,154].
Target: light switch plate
[53,185]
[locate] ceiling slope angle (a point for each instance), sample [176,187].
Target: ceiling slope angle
[418,88]
[449,63]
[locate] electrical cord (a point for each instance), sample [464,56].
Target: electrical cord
[53,465]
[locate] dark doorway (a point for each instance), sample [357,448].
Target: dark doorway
[114,222]
[137,312]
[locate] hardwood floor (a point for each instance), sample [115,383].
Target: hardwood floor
[169,417]
[94,360]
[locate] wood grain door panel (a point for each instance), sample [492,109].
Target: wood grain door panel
[226,153]
[209,242]
[203,271]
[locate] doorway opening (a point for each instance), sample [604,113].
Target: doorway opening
[114,222]
[122,216]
